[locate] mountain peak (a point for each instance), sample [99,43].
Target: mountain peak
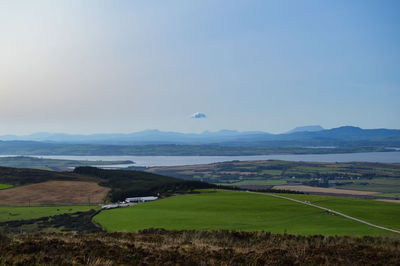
[312,128]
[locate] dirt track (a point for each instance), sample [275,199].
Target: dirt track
[326,190]
[54,192]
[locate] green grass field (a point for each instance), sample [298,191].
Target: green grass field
[5,186]
[384,185]
[390,195]
[25,213]
[233,211]
[380,213]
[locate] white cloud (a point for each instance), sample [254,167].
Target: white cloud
[198,115]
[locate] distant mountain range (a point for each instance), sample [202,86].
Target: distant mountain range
[300,136]
[137,138]
[306,129]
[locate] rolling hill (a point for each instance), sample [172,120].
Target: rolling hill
[233,210]
[122,184]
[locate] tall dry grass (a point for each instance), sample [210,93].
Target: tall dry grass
[161,247]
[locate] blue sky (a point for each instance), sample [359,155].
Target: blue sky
[122,66]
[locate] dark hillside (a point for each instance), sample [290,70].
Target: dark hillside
[136,183]
[24,176]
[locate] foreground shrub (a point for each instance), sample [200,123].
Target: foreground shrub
[160,247]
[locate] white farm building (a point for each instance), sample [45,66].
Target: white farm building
[109,206]
[141,199]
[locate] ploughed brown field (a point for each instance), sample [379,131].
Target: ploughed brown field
[54,192]
[309,189]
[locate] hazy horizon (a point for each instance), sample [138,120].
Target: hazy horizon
[84,67]
[184,132]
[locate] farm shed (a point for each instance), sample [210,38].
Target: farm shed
[141,199]
[109,206]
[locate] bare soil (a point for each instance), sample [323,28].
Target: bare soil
[54,192]
[309,189]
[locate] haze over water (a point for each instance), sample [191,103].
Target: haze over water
[382,157]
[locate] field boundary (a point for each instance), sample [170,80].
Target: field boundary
[329,210]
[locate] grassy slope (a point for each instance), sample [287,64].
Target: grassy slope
[381,213]
[233,211]
[26,213]
[5,186]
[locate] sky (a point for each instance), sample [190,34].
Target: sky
[99,66]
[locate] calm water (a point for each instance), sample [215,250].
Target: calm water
[383,157]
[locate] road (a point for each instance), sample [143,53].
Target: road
[330,211]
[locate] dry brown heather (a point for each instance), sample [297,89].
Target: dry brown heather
[309,189]
[54,192]
[160,247]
